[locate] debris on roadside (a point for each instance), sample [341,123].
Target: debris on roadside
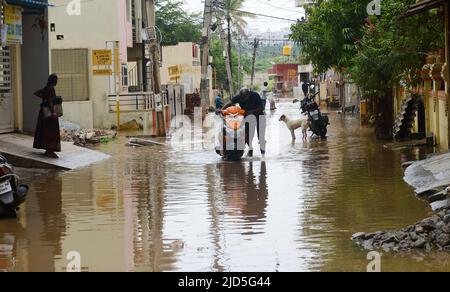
[143,142]
[129,144]
[86,137]
[428,234]
[431,180]
[132,125]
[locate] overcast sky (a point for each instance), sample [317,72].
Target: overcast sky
[278,8]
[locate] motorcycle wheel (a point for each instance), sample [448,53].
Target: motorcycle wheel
[323,134]
[7,212]
[234,155]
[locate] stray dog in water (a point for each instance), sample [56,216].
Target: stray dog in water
[293,125]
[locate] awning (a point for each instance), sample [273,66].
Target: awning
[41,4]
[423,6]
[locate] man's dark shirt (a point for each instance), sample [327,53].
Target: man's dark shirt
[254,102]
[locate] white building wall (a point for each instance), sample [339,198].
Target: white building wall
[182,54]
[101,23]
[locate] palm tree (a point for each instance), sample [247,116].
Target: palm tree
[230,12]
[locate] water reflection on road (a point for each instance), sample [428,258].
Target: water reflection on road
[158,209]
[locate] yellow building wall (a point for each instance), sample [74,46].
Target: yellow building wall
[443,124]
[447,58]
[16,63]
[436,117]
[436,114]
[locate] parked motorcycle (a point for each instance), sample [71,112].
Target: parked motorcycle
[232,136]
[318,121]
[12,195]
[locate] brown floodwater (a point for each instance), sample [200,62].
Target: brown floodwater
[160,209]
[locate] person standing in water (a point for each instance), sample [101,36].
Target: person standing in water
[264,93]
[47,136]
[218,101]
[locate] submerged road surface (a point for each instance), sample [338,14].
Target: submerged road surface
[159,209]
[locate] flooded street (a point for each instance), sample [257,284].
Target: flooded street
[159,209]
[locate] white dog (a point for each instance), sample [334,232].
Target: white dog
[296,124]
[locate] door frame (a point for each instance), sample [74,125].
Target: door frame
[6,65]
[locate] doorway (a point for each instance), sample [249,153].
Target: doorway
[6,96]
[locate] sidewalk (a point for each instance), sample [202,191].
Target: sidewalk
[431,180]
[18,149]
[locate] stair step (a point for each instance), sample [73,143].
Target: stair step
[405,118]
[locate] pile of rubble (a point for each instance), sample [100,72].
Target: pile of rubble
[83,137]
[428,234]
[431,180]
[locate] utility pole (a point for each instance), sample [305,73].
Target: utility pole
[117,81]
[239,61]
[256,44]
[153,46]
[227,62]
[230,52]
[206,36]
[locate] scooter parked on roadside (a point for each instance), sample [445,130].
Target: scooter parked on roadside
[318,121]
[232,136]
[12,195]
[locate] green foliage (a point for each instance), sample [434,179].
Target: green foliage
[177,25]
[270,54]
[393,48]
[217,51]
[328,38]
[376,52]
[105,140]
[230,9]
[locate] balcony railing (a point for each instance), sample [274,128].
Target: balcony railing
[133,102]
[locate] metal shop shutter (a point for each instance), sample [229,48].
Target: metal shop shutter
[71,66]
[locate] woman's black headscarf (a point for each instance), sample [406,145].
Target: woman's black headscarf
[52,80]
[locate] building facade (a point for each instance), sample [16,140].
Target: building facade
[87,87]
[23,63]
[181,65]
[285,77]
[424,110]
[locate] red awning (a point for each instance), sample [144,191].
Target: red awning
[423,6]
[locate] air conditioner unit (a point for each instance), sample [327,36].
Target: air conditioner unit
[303,3]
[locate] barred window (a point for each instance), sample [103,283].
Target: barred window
[124,76]
[71,66]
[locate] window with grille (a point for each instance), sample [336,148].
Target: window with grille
[124,75]
[71,66]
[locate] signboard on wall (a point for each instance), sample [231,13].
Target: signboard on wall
[13,22]
[292,73]
[102,57]
[174,72]
[103,72]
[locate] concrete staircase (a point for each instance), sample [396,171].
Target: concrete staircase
[405,118]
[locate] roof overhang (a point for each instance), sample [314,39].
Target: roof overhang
[423,6]
[36,4]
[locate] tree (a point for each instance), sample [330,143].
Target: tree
[217,49]
[327,38]
[392,49]
[376,52]
[230,12]
[177,25]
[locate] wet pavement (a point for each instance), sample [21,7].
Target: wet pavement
[159,209]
